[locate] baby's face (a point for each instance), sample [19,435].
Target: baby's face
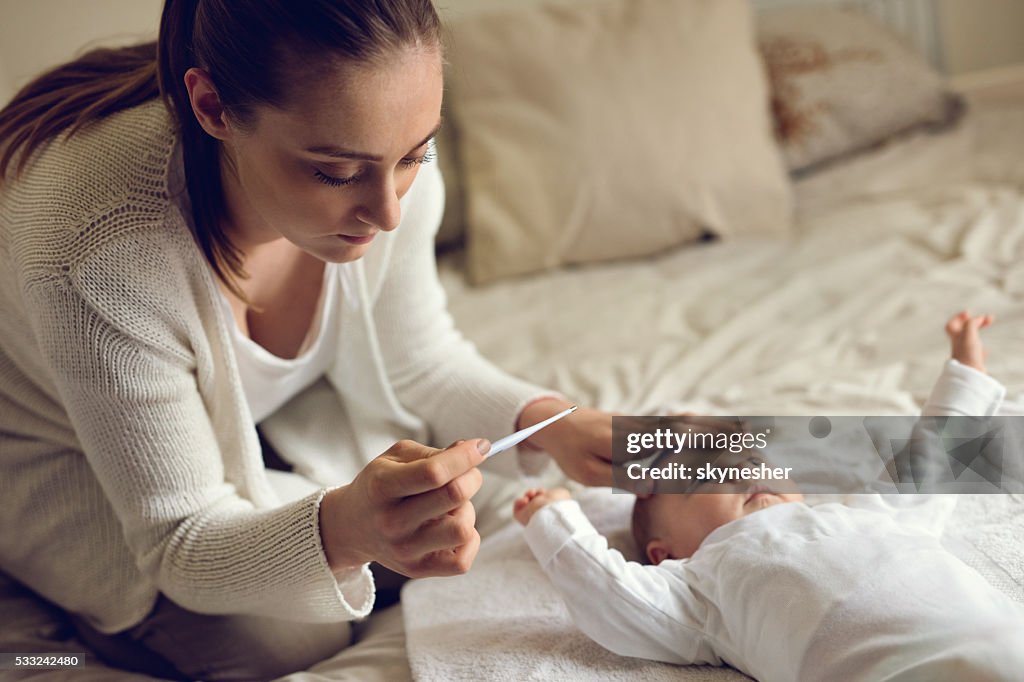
[680,522]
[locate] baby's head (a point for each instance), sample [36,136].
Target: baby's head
[673,525]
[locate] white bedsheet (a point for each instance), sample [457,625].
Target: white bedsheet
[846,318]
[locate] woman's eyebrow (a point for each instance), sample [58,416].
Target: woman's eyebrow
[338,152]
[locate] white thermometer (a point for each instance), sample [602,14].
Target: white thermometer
[521,435]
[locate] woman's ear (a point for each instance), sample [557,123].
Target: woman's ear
[206,104]
[657,551]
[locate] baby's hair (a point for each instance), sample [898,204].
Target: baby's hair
[643,518]
[642,532]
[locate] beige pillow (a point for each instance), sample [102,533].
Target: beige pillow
[842,82]
[610,129]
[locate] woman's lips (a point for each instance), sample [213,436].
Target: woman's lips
[365,239]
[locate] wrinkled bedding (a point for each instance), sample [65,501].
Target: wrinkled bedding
[845,318]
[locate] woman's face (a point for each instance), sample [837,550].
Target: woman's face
[327,172]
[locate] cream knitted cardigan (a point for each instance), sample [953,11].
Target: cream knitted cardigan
[129,463]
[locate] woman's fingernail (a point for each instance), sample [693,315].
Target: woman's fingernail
[483,446]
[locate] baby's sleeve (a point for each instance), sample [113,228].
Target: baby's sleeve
[962,390]
[630,609]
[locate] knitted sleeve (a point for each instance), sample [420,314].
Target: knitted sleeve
[119,340]
[435,371]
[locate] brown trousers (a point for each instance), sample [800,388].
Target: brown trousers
[176,644]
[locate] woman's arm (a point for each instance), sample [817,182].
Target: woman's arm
[118,339]
[441,377]
[435,372]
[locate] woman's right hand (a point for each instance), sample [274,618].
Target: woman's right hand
[409,510]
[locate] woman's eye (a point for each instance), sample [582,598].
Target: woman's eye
[427,157]
[333,181]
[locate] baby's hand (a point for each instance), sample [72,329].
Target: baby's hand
[962,330]
[536,498]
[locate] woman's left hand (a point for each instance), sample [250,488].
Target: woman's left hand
[581,443]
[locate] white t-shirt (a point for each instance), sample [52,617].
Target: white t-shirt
[270,381]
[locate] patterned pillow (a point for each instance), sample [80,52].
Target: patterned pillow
[842,82]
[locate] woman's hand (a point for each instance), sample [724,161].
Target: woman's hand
[409,510]
[581,443]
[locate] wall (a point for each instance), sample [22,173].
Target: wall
[35,34]
[981,34]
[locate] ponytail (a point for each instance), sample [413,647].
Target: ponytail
[201,152]
[69,97]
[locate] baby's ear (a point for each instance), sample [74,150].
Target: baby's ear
[657,551]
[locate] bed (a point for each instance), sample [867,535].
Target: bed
[842,314]
[843,319]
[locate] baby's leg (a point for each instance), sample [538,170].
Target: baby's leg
[965,338]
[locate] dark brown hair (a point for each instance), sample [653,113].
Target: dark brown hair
[245,47]
[642,526]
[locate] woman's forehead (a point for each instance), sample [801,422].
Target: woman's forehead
[372,108]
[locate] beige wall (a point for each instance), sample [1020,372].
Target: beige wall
[35,34]
[981,34]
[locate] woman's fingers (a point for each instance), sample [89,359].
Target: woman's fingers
[448,532]
[434,503]
[454,561]
[409,468]
[596,471]
[601,476]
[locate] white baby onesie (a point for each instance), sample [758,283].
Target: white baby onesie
[861,590]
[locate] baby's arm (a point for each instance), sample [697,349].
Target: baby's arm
[633,610]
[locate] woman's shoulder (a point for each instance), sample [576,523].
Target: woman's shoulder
[82,190]
[91,217]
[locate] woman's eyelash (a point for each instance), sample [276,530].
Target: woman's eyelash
[427,157]
[333,181]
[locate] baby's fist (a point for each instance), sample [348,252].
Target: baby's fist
[534,499]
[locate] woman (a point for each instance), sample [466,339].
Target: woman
[192,234]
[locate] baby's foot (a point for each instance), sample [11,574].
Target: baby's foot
[963,331]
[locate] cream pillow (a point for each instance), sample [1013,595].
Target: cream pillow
[610,129]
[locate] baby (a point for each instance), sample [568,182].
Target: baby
[761,581]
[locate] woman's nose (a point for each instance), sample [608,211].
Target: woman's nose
[380,207]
